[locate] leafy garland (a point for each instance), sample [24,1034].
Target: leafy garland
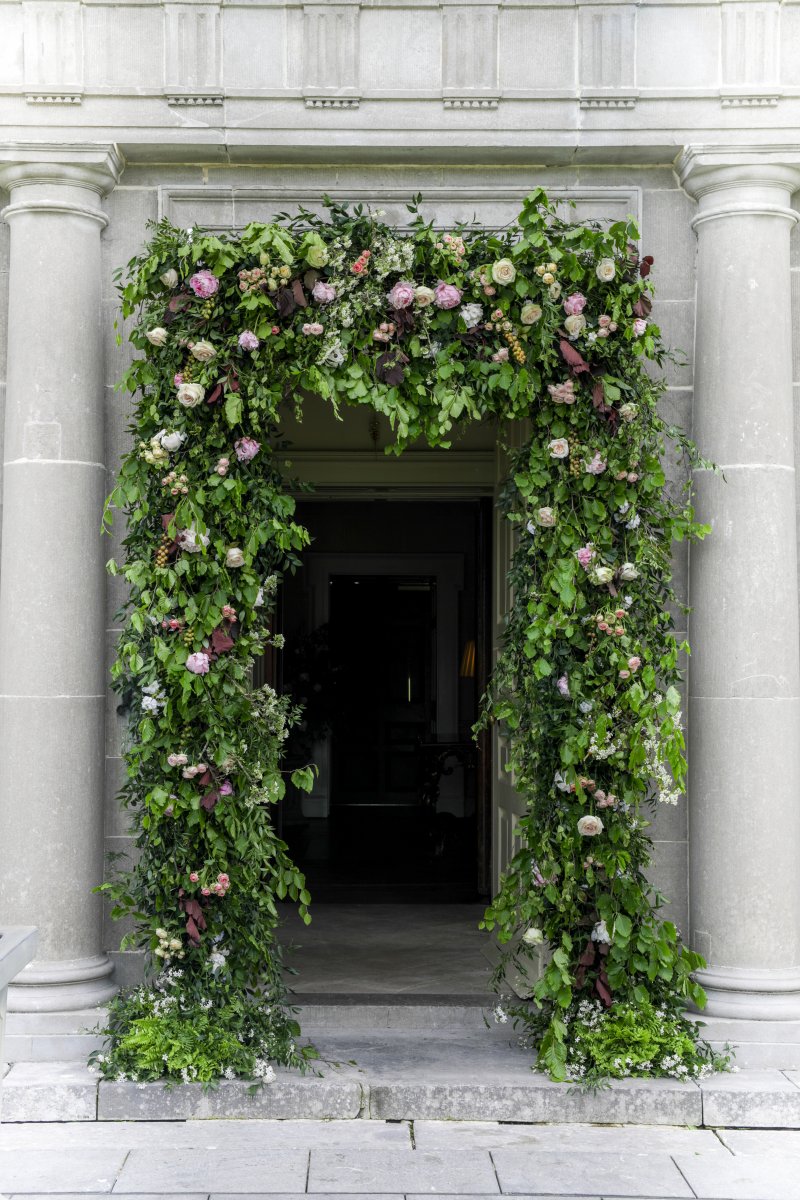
[544,321]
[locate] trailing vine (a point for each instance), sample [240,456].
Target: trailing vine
[543,321]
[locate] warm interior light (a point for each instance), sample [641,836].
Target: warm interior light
[467,670]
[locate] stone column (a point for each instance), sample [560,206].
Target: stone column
[52,676]
[744,677]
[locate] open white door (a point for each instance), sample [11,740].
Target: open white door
[507,805]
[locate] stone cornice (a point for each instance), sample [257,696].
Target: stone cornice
[96,168]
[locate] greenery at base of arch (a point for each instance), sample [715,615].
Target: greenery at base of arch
[545,322]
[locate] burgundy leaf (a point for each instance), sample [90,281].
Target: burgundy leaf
[572,358]
[192,932]
[285,302]
[643,306]
[299,294]
[205,779]
[215,394]
[220,642]
[645,265]
[389,367]
[209,801]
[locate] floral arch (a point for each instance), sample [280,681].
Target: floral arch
[545,321]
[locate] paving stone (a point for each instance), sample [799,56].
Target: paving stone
[288,1098]
[753,1099]
[66,1171]
[237,1170]
[742,1176]
[314,1196]
[629,1101]
[578,1173]
[761,1141]
[208,1134]
[50,1091]
[341,1171]
[117,1196]
[629,1139]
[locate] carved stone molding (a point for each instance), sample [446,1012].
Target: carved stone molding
[471,101]
[332,101]
[53,97]
[208,100]
[607,102]
[766,101]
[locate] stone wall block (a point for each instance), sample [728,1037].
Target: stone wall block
[607,46]
[193,48]
[53,45]
[330,49]
[750,43]
[470,50]
[667,235]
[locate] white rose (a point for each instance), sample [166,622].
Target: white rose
[574,324]
[234,557]
[172,441]
[533,936]
[472,314]
[590,826]
[601,575]
[504,271]
[423,296]
[559,448]
[169,278]
[546,517]
[157,336]
[203,351]
[605,270]
[554,291]
[530,314]
[190,394]
[628,572]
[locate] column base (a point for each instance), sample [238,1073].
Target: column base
[751,994]
[62,986]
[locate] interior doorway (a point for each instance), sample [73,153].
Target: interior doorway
[386,627]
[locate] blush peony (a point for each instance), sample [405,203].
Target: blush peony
[446,295]
[198,663]
[204,284]
[402,294]
[246,448]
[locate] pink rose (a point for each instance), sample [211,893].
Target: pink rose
[574,304]
[246,448]
[205,891]
[223,879]
[228,612]
[226,788]
[501,355]
[639,327]
[198,663]
[248,340]
[177,380]
[597,465]
[446,295]
[585,556]
[222,466]
[634,663]
[177,760]
[204,284]
[562,393]
[402,295]
[323,293]
[604,320]
[624,674]
[193,878]
[312,329]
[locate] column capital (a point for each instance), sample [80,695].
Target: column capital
[740,180]
[95,167]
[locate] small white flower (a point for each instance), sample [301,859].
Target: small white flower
[585,706]
[533,936]
[471,314]
[600,933]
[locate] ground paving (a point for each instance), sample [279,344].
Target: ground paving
[228,1160]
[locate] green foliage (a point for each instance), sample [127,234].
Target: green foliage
[586,688]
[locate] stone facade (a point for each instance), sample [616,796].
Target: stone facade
[683,114]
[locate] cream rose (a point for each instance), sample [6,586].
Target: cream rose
[628,411]
[575,324]
[157,336]
[546,518]
[601,575]
[559,448]
[169,278]
[590,826]
[203,351]
[530,314]
[504,271]
[533,936]
[423,296]
[554,291]
[628,572]
[605,270]
[234,557]
[190,394]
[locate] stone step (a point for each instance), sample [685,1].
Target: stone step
[403,1076]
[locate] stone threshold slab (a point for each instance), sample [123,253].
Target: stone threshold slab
[72,1092]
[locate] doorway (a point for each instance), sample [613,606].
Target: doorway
[386,628]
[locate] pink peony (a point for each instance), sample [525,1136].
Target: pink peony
[226,788]
[585,556]
[323,293]
[639,327]
[574,304]
[248,340]
[402,295]
[446,295]
[198,663]
[312,329]
[204,284]
[246,448]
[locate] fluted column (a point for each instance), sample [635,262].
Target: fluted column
[52,678]
[744,678]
